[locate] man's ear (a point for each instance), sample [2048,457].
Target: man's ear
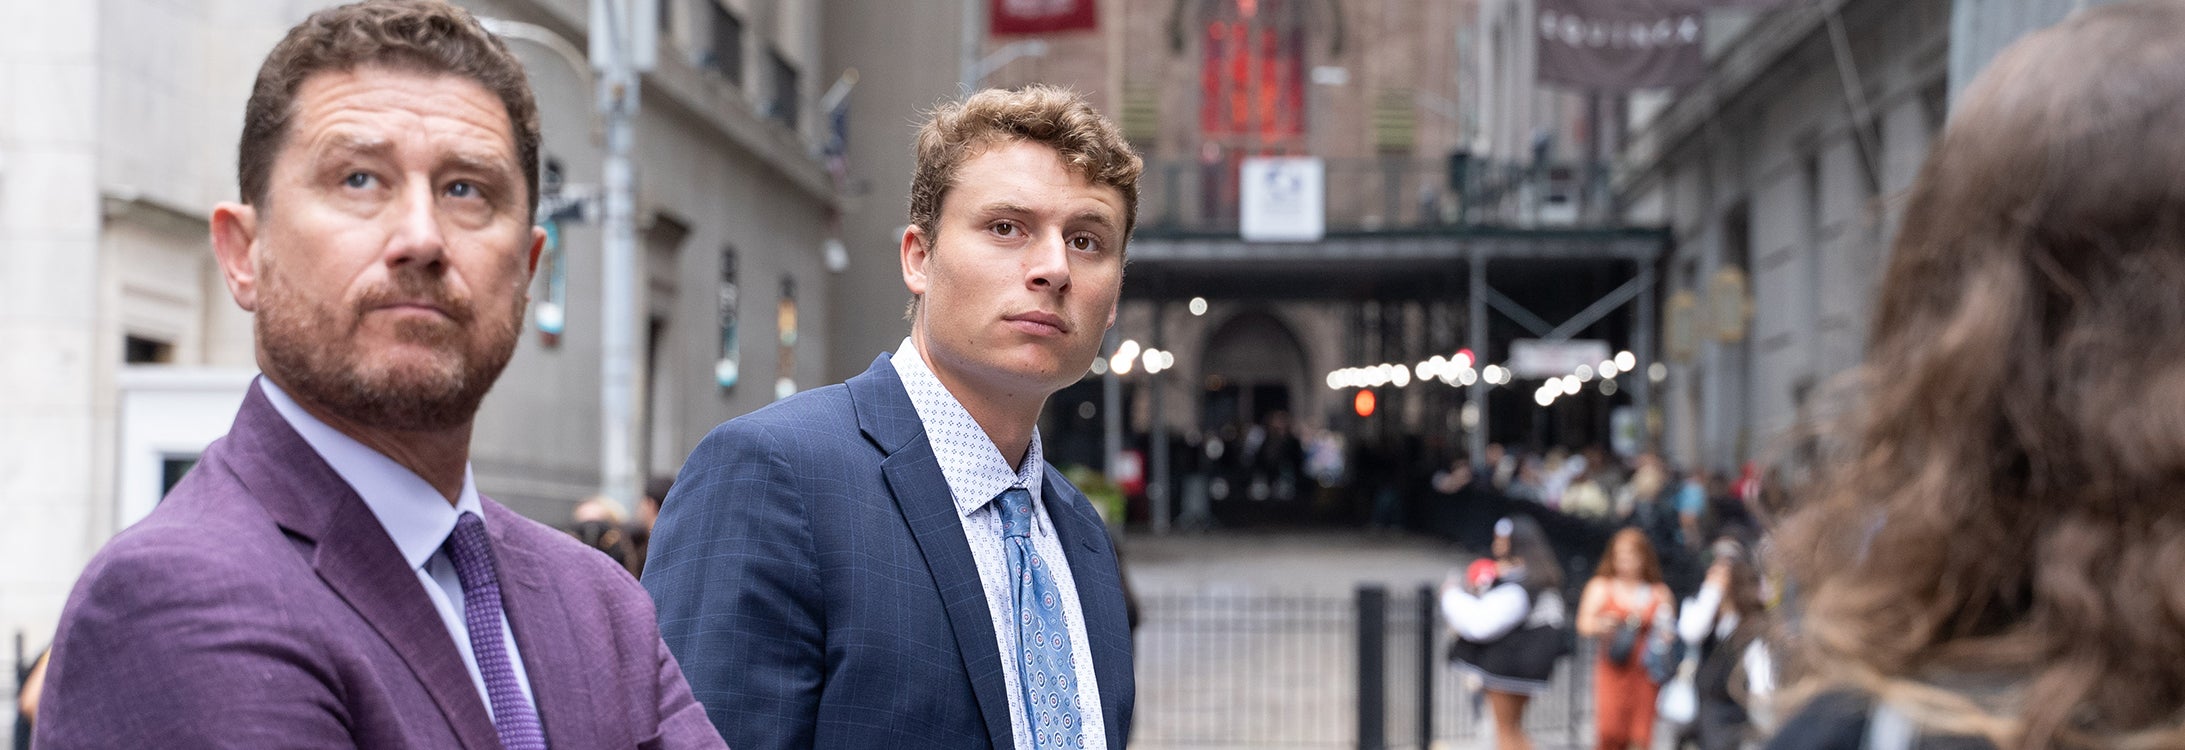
[915,252]
[235,247]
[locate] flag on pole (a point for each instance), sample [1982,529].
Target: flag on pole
[1042,16]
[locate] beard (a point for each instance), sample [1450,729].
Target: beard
[311,349]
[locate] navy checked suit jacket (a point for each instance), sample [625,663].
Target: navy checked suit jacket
[814,581]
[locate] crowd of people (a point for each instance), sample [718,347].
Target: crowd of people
[1699,659]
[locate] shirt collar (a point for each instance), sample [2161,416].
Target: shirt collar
[975,469]
[414,514]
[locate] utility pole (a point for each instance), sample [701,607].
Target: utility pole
[622,46]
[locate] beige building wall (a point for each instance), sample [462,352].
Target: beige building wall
[1803,193]
[906,55]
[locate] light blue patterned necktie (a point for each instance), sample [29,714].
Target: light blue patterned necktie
[1045,675]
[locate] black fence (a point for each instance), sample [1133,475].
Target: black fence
[1378,193]
[1243,669]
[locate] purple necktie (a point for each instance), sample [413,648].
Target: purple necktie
[513,718]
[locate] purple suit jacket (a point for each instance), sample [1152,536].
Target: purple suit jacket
[262,605]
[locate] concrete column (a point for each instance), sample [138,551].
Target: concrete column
[57,367]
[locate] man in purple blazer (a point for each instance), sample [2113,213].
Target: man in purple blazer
[328,575]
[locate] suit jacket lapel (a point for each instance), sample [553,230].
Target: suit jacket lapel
[356,558]
[553,654]
[885,414]
[1092,565]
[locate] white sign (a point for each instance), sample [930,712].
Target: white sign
[1535,359]
[1282,199]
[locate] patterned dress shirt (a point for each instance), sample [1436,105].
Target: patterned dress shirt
[977,473]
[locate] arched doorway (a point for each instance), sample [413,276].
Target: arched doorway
[1254,366]
[1253,377]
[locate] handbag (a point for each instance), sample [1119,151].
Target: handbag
[1622,641]
[1679,701]
[1664,656]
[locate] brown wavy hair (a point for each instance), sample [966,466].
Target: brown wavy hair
[1999,548]
[1650,563]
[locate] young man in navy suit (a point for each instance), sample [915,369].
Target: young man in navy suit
[889,563]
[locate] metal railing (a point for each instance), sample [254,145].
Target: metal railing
[1244,669]
[1376,194]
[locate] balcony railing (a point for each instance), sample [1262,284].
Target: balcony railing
[1379,194]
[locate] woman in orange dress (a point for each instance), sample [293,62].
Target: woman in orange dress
[1623,608]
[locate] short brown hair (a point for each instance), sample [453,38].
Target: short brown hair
[422,36]
[1055,117]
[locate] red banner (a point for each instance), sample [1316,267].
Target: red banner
[1042,16]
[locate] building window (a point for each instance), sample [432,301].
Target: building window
[137,350]
[1252,74]
[726,54]
[783,106]
[171,470]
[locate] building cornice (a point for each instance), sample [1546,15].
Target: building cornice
[691,92]
[1742,64]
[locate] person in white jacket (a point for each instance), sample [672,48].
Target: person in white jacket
[1508,618]
[1724,628]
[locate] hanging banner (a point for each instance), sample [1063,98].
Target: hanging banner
[1620,45]
[1042,16]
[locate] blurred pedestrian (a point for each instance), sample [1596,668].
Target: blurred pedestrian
[1692,501]
[1994,559]
[1725,629]
[1625,607]
[1496,466]
[1585,498]
[1642,493]
[598,522]
[1509,624]
[31,685]
[640,527]
[329,575]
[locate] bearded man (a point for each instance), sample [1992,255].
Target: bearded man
[328,575]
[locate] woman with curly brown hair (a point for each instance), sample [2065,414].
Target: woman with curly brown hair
[1998,556]
[1625,606]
